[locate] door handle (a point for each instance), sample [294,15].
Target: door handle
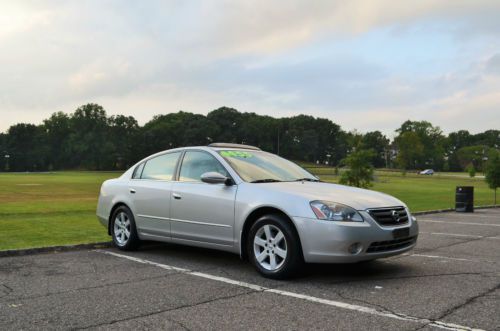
[176,196]
[132,191]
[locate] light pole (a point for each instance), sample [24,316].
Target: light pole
[7,157]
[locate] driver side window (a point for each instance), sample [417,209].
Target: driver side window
[196,163]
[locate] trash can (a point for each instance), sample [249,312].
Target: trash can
[464,199]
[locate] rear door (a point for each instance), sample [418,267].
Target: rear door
[151,190]
[200,211]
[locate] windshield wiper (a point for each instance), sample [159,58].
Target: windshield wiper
[307,180]
[266,180]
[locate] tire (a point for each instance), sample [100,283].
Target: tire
[123,229]
[279,256]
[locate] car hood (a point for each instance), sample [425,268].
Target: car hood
[357,198]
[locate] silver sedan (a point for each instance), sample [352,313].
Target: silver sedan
[240,199]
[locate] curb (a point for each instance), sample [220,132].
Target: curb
[437,211]
[53,249]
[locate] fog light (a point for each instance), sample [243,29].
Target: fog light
[355,248]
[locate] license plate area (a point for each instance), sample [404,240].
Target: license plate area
[401,233]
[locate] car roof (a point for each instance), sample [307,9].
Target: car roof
[213,147]
[233,146]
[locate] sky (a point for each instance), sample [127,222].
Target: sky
[364,64]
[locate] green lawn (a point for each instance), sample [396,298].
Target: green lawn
[50,209]
[59,208]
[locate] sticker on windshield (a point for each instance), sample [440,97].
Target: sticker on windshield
[240,154]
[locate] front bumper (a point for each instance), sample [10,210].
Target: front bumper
[329,241]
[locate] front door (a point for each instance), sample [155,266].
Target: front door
[200,211]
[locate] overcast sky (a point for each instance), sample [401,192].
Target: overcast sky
[366,65]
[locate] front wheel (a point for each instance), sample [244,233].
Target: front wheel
[274,248]
[123,229]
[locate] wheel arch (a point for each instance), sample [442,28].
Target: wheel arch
[253,217]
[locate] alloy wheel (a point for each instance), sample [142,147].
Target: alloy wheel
[122,228]
[270,248]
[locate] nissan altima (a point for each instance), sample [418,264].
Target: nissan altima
[241,199]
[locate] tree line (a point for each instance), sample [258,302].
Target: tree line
[90,139]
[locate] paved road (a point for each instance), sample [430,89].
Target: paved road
[450,281]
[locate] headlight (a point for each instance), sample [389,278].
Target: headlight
[332,211]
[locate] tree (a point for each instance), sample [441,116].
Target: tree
[453,143]
[26,146]
[490,138]
[176,130]
[472,155]
[410,150]
[123,133]
[227,121]
[492,174]
[471,170]
[90,147]
[58,130]
[379,144]
[3,152]
[432,141]
[360,168]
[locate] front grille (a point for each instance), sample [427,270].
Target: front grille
[391,245]
[389,216]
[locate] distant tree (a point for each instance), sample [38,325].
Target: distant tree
[176,130]
[410,150]
[354,140]
[58,129]
[492,173]
[90,147]
[308,138]
[89,139]
[432,141]
[26,147]
[454,142]
[123,133]
[473,155]
[3,152]
[259,131]
[490,138]
[471,170]
[227,122]
[359,171]
[379,143]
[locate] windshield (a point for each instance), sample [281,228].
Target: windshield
[258,166]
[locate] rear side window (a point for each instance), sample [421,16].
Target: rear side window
[161,167]
[138,171]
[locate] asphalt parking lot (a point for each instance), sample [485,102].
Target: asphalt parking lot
[450,281]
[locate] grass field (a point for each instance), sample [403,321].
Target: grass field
[50,209]
[58,208]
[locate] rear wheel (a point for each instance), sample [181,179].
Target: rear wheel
[274,248]
[123,229]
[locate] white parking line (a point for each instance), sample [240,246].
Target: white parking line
[441,257]
[457,235]
[477,216]
[461,223]
[454,235]
[338,304]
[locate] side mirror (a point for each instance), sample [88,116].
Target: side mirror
[213,177]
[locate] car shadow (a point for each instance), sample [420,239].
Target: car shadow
[310,272]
